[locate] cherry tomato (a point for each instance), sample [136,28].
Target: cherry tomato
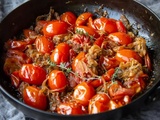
[32,74]
[34,97]
[98,103]
[57,80]
[108,63]
[71,108]
[15,80]
[86,31]
[60,54]
[120,38]
[16,45]
[83,18]
[68,17]
[39,25]
[105,25]
[113,105]
[106,76]
[116,91]
[55,27]
[121,27]
[91,23]
[43,44]
[125,55]
[76,64]
[83,92]
[99,41]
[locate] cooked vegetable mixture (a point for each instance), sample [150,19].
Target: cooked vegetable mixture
[78,64]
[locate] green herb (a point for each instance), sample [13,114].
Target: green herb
[115,75]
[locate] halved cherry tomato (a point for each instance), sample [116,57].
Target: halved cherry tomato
[91,23]
[68,17]
[76,64]
[55,27]
[15,79]
[125,55]
[60,54]
[27,32]
[44,45]
[71,108]
[83,18]
[99,41]
[34,97]
[105,25]
[120,26]
[108,63]
[83,92]
[98,103]
[120,38]
[116,91]
[32,74]
[106,76]
[57,80]
[86,31]
[16,45]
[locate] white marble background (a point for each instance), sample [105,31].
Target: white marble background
[9,112]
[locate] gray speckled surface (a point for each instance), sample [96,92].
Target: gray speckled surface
[8,112]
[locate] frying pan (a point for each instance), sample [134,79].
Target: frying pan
[22,17]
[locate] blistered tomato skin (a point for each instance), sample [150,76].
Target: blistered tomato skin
[68,17]
[70,108]
[60,54]
[99,103]
[125,55]
[120,38]
[33,97]
[83,18]
[32,74]
[57,81]
[55,27]
[44,45]
[83,93]
[105,25]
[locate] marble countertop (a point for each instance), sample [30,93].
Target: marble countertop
[8,112]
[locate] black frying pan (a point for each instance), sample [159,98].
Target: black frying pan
[137,14]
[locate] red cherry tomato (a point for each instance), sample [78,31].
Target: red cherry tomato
[125,55]
[105,25]
[15,80]
[43,44]
[83,92]
[68,17]
[98,103]
[71,108]
[121,27]
[91,23]
[83,18]
[55,27]
[32,74]
[76,64]
[34,97]
[60,54]
[108,63]
[106,76]
[99,41]
[120,38]
[116,91]
[87,31]
[57,80]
